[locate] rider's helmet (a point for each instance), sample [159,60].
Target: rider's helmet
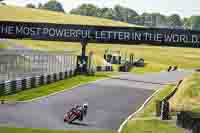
[85,105]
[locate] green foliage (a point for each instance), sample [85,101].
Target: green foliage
[124,14]
[195,22]
[105,13]
[53,5]
[174,21]
[86,10]
[118,13]
[30,5]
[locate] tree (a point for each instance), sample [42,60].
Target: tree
[30,5]
[124,14]
[187,23]
[40,5]
[131,14]
[53,5]
[105,13]
[86,10]
[2,3]
[195,22]
[119,13]
[174,21]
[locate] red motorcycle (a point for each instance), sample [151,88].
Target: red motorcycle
[76,113]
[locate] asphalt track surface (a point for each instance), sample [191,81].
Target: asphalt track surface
[110,101]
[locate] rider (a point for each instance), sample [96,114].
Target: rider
[82,108]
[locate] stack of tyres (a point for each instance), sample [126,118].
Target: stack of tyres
[8,88]
[2,89]
[23,84]
[13,87]
[33,82]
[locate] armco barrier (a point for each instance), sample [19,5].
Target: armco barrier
[14,86]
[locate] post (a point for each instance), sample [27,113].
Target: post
[83,44]
[158,108]
[82,61]
[165,110]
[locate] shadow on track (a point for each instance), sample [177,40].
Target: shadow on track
[79,124]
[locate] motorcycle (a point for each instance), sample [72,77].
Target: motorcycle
[75,114]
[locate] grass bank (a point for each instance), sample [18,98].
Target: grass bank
[55,87]
[3,46]
[13,13]
[188,95]
[146,122]
[28,130]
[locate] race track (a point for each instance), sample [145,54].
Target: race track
[110,102]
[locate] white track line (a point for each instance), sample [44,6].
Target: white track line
[132,115]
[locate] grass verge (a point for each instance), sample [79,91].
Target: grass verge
[145,122]
[28,130]
[190,90]
[3,46]
[55,87]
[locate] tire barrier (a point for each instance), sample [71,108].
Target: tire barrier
[104,68]
[126,67]
[23,84]
[37,81]
[189,121]
[172,68]
[158,108]
[14,86]
[28,83]
[162,106]
[18,84]
[164,113]
[8,88]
